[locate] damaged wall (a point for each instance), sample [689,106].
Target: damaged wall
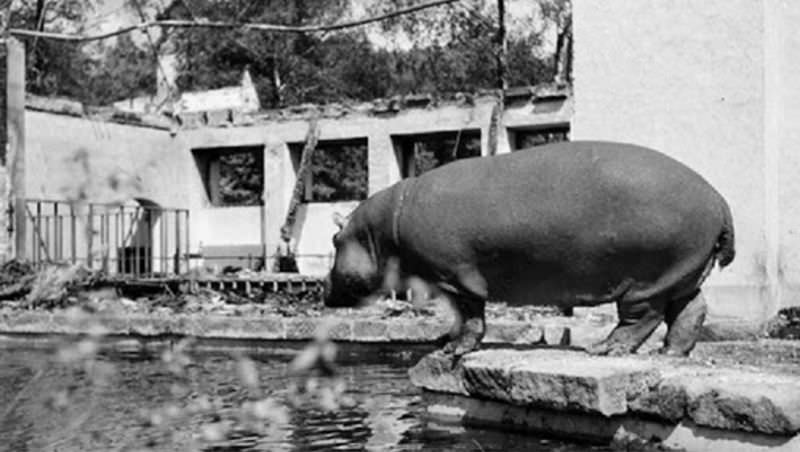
[315,227]
[71,156]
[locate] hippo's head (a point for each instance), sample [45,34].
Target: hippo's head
[355,274]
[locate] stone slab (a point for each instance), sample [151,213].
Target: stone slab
[671,390]
[624,432]
[545,378]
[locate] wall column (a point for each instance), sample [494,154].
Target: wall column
[14,154]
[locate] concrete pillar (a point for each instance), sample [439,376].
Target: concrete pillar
[277,191]
[15,152]
[382,167]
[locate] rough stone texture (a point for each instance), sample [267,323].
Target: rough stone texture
[436,372]
[752,402]
[665,399]
[670,390]
[245,328]
[624,432]
[414,330]
[513,333]
[370,330]
[563,380]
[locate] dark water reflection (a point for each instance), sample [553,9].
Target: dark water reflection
[386,413]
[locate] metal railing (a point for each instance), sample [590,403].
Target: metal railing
[137,240]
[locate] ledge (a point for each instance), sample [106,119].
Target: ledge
[346,325]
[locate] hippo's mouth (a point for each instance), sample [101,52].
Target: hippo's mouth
[343,290]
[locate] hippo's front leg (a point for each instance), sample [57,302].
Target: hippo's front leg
[470,326]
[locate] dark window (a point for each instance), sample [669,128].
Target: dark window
[418,154]
[232,176]
[338,170]
[528,138]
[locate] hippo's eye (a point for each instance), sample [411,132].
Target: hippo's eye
[336,239]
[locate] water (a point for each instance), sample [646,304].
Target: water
[45,406]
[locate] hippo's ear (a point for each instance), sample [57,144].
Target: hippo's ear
[339,220]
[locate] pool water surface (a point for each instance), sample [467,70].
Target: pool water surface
[141,404]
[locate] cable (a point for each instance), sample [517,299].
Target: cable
[226,25]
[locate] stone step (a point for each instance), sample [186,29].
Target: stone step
[634,398]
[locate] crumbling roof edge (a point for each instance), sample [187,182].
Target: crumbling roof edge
[383,107]
[68,107]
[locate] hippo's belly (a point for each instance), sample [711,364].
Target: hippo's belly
[569,282]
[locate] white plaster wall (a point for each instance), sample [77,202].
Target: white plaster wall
[149,163]
[783,115]
[230,225]
[712,84]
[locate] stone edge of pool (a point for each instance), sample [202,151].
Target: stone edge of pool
[349,327]
[625,401]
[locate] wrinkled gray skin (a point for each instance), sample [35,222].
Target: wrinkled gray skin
[567,224]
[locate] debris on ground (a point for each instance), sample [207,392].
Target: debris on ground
[54,286]
[785,325]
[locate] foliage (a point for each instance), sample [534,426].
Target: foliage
[428,152]
[124,71]
[339,172]
[454,54]
[94,73]
[241,179]
[452,48]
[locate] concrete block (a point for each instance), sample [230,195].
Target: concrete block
[415,330]
[557,379]
[28,321]
[226,327]
[512,333]
[543,378]
[370,330]
[300,328]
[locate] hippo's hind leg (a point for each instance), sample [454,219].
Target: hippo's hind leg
[637,321]
[684,317]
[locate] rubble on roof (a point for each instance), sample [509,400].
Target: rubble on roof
[237,117]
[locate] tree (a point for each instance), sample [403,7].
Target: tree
[286,68]
[124,70]
[97,73]
[52,67]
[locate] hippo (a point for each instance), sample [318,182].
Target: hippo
[566,224]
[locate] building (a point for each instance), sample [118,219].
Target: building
[157,190]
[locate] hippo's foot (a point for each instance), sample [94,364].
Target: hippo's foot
[469,329]
[460,346]
[684,319]
[637,323]
[609,347]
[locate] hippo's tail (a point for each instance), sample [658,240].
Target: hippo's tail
[725,250]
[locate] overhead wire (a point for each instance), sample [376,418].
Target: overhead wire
[263,27]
